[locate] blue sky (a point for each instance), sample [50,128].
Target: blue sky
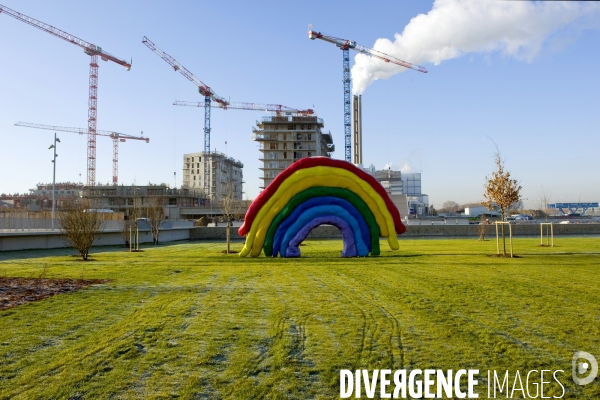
[541,110]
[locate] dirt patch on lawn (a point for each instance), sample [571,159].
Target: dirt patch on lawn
[17,291]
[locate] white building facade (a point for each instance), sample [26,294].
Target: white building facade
[225,175]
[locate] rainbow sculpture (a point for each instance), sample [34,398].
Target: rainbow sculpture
[316,191]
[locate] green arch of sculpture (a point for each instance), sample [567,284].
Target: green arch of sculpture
[319,191]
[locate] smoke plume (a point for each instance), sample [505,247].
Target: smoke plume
[456,27]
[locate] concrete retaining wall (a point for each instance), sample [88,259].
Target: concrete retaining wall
[30,240]
[327,232]
[214,233]
[517,229]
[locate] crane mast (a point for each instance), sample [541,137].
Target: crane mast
[345,45]
[94,52]
[115,136]
[205,90]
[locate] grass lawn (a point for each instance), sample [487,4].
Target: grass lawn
[187,321]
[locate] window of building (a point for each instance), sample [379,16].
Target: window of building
[285,154]
[298,136]
[273,146]
[309,153]
[285,146]
[309,136]
[290,127]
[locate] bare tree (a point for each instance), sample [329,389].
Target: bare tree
[482,228]
[126,225]
[81,225]
[501,190]
[203,221]
[432,211]
[451,206]
[232,209]
[155,212]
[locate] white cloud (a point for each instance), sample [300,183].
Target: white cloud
[456,27]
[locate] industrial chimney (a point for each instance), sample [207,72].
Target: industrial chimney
[357,130]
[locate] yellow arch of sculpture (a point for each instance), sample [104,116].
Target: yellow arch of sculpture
[311,177]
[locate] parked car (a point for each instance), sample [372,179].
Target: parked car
[520,217]
[488,216]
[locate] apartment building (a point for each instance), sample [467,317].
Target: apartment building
[225,174]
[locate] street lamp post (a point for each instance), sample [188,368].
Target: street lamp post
[56,140]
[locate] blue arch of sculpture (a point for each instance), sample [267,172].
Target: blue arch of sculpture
[312,210]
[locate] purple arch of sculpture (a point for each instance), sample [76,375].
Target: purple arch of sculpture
[335,206]
[322,211]
[293,249]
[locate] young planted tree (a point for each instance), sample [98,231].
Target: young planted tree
[544,201]
[155,212]
[501,190]
[126,225]
[232,209]
[81,225]
[134,214]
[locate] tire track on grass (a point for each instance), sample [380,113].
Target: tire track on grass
[370,324]
[394,340]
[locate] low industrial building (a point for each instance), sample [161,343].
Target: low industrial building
[404,190]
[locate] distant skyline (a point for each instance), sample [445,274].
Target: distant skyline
[524,75]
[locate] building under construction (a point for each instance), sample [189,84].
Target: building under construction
[287,138]
[225,175]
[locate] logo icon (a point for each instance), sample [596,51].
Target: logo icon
[580,368]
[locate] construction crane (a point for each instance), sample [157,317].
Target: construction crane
[115,136]
[278,108]
[345,46]
[204,90]
[94,52]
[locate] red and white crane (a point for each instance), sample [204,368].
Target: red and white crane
[94,52]
[204,90]
[345,45]
[115,136]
